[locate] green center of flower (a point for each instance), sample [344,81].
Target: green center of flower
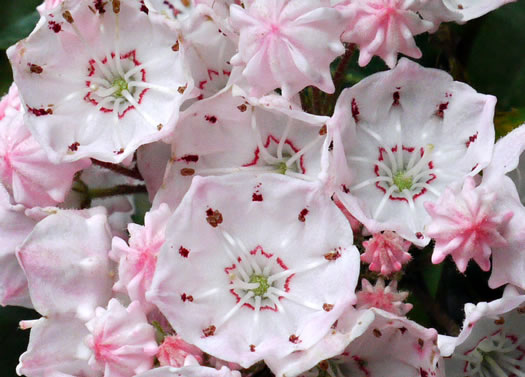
[263,284]
[120,84]
[281,167]
[402,181]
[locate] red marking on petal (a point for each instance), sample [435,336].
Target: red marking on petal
[252,348]
[333,255]
[228,270]
[471,139]
[212,72]
[211,118]
[302,215]
[419,235]
[184,252]
[189,158]
[214,218]
[440,112]
[39,112]
[55,26]
[327,307]
[257,197]
[74,147]
[184,297]
[396,99]
[355,110]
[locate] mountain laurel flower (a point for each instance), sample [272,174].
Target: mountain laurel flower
[266,276]
[386,252]
[466,225]
[175,352]
[381,297]
[287,44]
[397,144]
[492,341]
[109,79]
[121,339]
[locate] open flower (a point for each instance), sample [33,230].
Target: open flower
[266,276]
[492,341]
[109,79]
[287,44]
[399,138]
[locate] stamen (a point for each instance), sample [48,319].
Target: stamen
[283,138]
[383,201]
[372,181]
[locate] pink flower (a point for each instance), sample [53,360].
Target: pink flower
[242,281]
[110,79]
[10,103]
[387,299]
[386,252]
[287,44]
[190,371]
[466,225]
[122,341]
[384,28]
[25,169]
[138,260]
[175,352]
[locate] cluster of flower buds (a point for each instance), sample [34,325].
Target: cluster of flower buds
[274,223]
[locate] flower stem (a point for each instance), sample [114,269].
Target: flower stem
[132,173]
[116,190]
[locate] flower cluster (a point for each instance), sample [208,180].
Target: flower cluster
[262,206]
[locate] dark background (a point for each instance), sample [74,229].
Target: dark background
[487,53]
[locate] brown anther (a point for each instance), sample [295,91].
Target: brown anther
[377,333]
[333,255]
[209,331]
[214,218]
[68,17]
[327,307]
[116,6]
[324,365]
[36,69]
[322,131]
[186,172]
[521,310]
[252,348]
[500,321]
[186,3]
[294,339]
[74,147]
[242,108]
[175,47]
[182,89]
[159,126]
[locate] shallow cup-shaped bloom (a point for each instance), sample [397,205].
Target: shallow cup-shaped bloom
[266,276]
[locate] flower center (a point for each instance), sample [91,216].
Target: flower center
[402,180]
[120,85]
[263,284]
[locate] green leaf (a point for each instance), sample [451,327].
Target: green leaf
[18,29]
[432,277]
[496,64]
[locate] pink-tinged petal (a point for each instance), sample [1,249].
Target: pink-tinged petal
[174,351]
[65,259]
[491,341]
[386,252]
[138,260]
[397,144]
[190,371]
[14,228]
[25,169]
[121,339]
[289,44]
[471,9]
[466,224]
[407,349]
[387,299]
[56,349]
[225,134]
[108,80]
[242,282]
[10,103]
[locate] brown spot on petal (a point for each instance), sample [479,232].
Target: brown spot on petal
[35,68]
[184,252]
[186,172]
[116,6]
[68,17]
[460,6]
[327,307]
[421,343]
[322,131]
[302,215]
[182,89]
[242,108]
[159,127]
[209,331]
[186,3]
[214,218]
[333,255]
[294,339]
[331,146]
[377,333]
[252,348]
[500,321]
[175,47]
